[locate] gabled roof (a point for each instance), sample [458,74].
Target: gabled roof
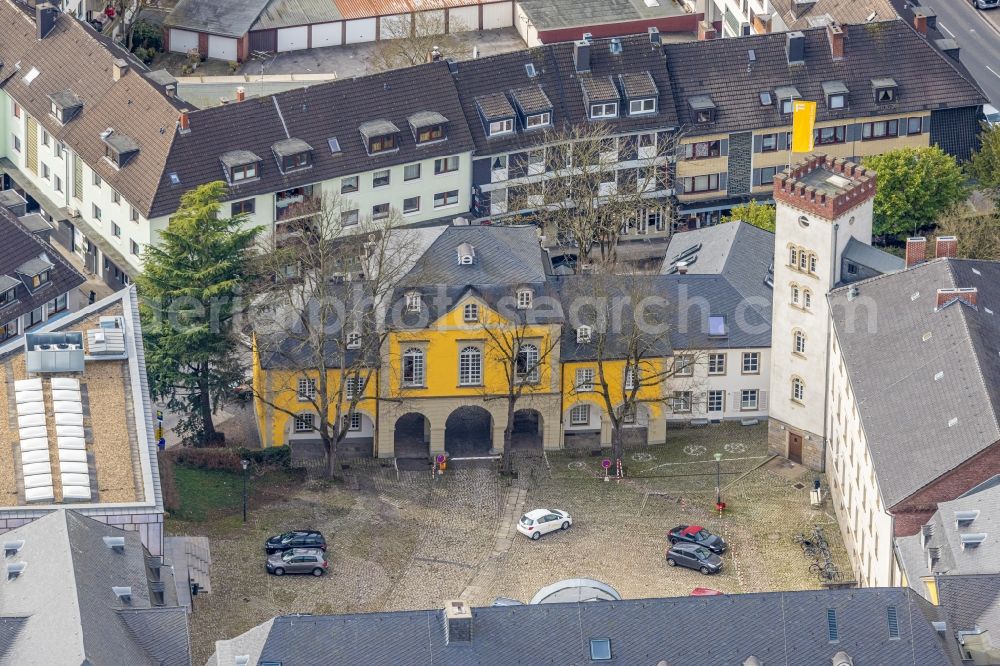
[479,82]
[21,253]
[776,627]
[971,604]
[66,592]
[228,18]
[926,380]
[719,68]
[871,257]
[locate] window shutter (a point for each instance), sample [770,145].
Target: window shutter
[756,177]
[723,181]
[762,400]
[782,141]
[758,140]
[77,177]
[724,147]
[925,125]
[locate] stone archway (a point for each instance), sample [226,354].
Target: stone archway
[411,436]
[468,432]
[528,431]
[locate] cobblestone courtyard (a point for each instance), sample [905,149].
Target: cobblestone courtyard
[404,540]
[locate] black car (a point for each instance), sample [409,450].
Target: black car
[697,534]
[295,539]
[695,557]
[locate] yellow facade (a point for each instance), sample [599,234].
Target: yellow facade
[649,397]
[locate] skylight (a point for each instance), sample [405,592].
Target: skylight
[174,178]
[765,98]
[31,76]
[600,649]
[334,144]
[716,325]
[529,69]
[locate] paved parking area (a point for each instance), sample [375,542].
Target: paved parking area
[405,540]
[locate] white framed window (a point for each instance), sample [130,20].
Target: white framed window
[411,205]
[413,367]
[640,106]
[349,184]
[798,389]
[353,421]
[793,257]
[584,379]
[353,386]
[799,342]
[470,312]
[96,179]
[526,364]
[629,378]
[716,400]
[539,120]
[380,211]
[58,149]
[807,299]
[445,165]
[683,366]
[579,415]
[411,171]
[505,126]
[751,363]
[306,390]
[45,138]
[449,198]
[749,399]
[381,178]
[583,334]
[607,110]
[96,211]
[45,171]
[680,401]
[135,248]
[305,422]
[413,302]
[57,183]
[116,231]
[795,294]
[717,364]
[524,298]
[353,340]
[470,366]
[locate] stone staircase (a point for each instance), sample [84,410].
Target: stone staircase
[189,556]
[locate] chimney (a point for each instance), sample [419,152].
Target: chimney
[241,94]
[45,19]
[949,47]
[836,35]
[581,55]
[654,35]
[916,251]
[930,18]
[457,622]
[118,68]
[920,23]
[795,47]
[967,294]
[946,246]
[183,123]
[706,31]
[682,267]
[170,90]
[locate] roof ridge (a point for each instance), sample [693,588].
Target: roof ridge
[926,41]
[75,601]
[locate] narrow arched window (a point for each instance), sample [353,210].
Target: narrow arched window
[414,367]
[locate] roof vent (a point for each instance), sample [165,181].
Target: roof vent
[831,626]
[11,548]
[965,518]
[842,659]
[15,569]
[654,35]
[953,422]
[926,532]
[466,254]
[926,336]
[124,594]
[852,293]
[892,620]
[581,55]
[115,543]
[939,375]
[940,627]
[972,540]
[458,622]
[241,660]
[616,45]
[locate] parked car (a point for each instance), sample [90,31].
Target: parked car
[697,534]
[985,4]
[295,539]
[297,561]
[541,521]
[693,556]
[991,112]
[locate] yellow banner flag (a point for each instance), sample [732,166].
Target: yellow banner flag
[803,120]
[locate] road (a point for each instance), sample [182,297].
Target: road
[977,33]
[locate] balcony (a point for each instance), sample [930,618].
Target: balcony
[296,203]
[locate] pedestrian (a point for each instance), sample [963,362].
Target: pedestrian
[90,299]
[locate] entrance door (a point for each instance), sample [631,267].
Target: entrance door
[795,448]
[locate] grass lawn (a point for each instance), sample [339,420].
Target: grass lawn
[204,492]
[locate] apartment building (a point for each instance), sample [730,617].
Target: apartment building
[876,89]
[736,18]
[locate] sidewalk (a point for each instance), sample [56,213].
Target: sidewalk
[93,284]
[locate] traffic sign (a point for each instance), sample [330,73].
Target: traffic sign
[159,415]
[439,458]
[606,464]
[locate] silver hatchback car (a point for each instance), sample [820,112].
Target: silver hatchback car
[297,560]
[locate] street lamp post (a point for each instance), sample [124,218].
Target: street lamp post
[718,482]
[245,463]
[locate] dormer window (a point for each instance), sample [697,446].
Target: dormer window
[524,297]
[605,110]
[413,302]
[505,126]
[600,96]
[353,340]
[835,93]
[380,136]
[292,154]
[428,127]
[703,109]
[538,120]
[65,105]
[118,148]
[241,165]
[637,107]
[466,254]
[533,106]
[786,97]
[583,334]
[497,114]
[885,90]
[8,291]
[36,272]
[40,279]
[641,92]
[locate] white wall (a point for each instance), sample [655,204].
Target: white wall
[360,30]
[497,15]
[463,18]
[394,26]
[294,39]
[327,34]
[182,41]
[733,382]
[221,48]
[525,27]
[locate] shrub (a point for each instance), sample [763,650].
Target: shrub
[233,66]
[148,36]
[274,456]
[226,460]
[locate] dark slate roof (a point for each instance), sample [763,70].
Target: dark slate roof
[787,628]
[229,18]
[74,57]
[895,343]
[480,80]
[10,627]
[66,590]
[865,255]
[718,68]
[505,255]
[22,252]
[531,99]
[970,603]
[314,115]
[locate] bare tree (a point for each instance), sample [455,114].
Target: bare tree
[978,232]
[131,12]
[584,198]
[625,326]
[415,39]
[318,317]
[520,349]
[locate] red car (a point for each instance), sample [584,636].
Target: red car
[705,592]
